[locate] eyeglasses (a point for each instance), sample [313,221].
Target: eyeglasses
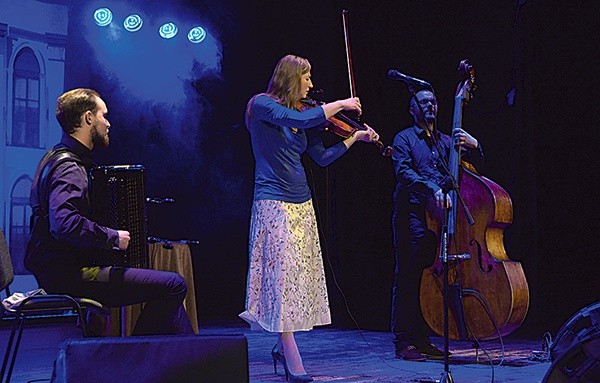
[427,101]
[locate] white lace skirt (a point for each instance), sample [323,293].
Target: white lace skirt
[286,288]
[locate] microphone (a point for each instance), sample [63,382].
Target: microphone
[399,76]
[158,200]
[317,91]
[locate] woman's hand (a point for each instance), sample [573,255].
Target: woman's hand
[352,103]
[367,135]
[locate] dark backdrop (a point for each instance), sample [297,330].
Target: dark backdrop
[534,111]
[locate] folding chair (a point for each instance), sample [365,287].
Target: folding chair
[37,305]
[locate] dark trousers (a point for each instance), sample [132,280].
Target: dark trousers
[162,292]
[415,249]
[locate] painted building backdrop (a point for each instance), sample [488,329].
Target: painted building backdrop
[33,36]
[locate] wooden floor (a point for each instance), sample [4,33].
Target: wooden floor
[330,355]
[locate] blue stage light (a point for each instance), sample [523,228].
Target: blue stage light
[133,23]
[197,35]
[103,16]
[168,30]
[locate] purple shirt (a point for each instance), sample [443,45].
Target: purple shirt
[65,239]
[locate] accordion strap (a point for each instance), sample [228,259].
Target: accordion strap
[46,167]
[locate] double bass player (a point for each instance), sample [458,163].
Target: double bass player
[420,154]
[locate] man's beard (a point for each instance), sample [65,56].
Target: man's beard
[98,139]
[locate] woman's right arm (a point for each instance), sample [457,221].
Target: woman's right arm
[265,108]
[334,107]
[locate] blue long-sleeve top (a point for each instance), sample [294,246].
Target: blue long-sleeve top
[279,137]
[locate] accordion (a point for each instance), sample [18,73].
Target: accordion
[118,201]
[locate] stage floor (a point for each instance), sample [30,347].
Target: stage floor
[330,355]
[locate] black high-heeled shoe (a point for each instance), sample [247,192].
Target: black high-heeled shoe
[277,357]
[289,377]
[305,378]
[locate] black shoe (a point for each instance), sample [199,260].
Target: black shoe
[278,357]
[425,347]
[305,378]
[410,353]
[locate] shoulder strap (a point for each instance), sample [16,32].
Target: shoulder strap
[47,166]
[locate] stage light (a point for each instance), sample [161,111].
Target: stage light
[168,30]
[197,35]
[103,16]
[133,23]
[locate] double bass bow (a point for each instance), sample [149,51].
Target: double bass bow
[488,295]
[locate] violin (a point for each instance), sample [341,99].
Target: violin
[342,125]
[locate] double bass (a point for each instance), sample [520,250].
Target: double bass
[488,295]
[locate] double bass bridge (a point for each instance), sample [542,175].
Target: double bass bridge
[455,257]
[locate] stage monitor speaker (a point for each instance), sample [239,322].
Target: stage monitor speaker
[575,351]
[153,359]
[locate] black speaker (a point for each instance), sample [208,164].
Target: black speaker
[575,352]
[153,359]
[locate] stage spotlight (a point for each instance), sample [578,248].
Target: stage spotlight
[133,23]
[103,16]
[168,30]
[197,35]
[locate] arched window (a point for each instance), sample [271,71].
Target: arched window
[26,100]
[20,211]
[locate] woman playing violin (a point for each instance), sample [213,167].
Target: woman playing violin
[286,290]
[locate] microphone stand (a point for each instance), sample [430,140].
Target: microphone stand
[446,376]
[446,258]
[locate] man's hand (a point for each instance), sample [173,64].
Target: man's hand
[123,239]
[464,139]
[439,197]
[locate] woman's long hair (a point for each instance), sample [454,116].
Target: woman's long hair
[284,86]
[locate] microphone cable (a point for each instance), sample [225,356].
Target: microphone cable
[325,252]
